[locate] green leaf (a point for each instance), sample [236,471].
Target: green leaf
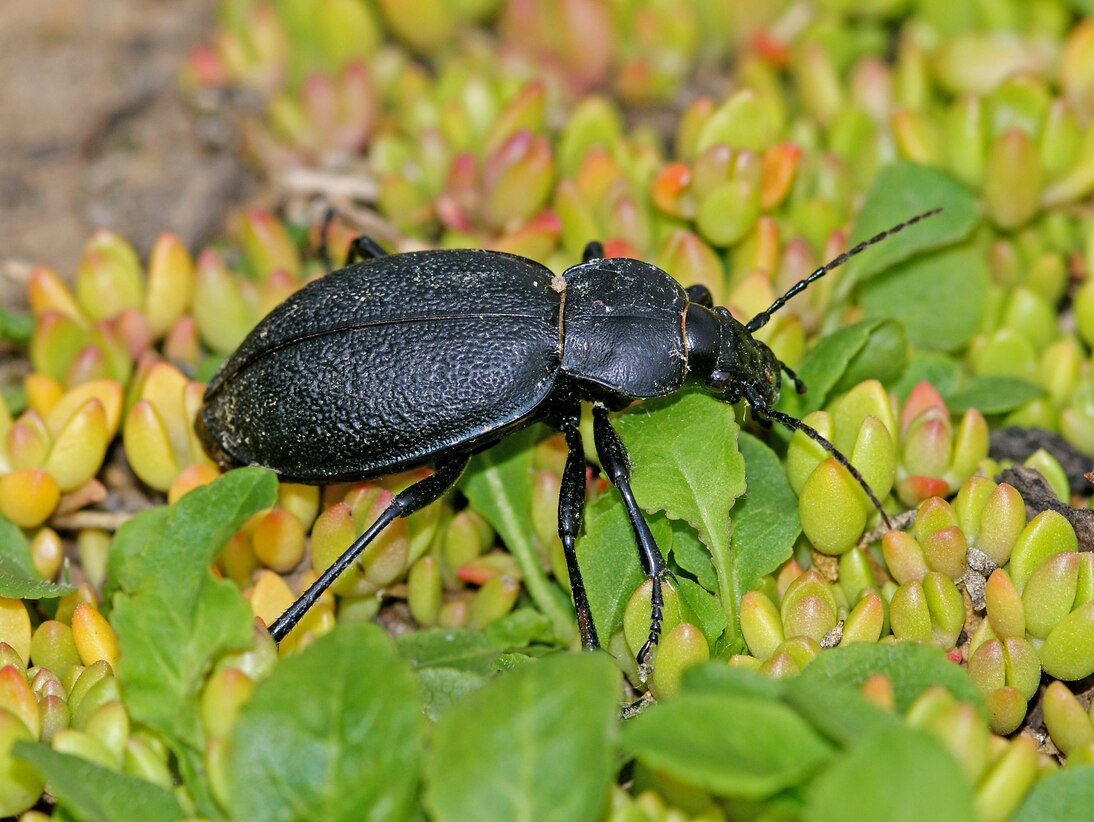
[16,327]
[940,298]
[440,688]
[92,793]
[534,744]
[895,774]
[608,559]
[840,714]
[1058,795]
[520,628]
[992,395]
[765,520]
[172,616]
[335,733]
[699,607]
[731,744]
[940,370]
[911,669]
[498,483]
[459,648]
[19,579]
[689,553]
[901,191]
[686,463]
[824,365]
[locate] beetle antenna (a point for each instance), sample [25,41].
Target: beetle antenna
[799,386]
[762,319]
[794,424]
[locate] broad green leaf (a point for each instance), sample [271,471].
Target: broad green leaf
[15,327]
[718,678]
[731,744]
[534,744]
[689,553]
[18,577]
[824,365]
[440,688]
[92,793]
[897,774]
[1059,795]
[458,648]
[840,714]
[172,616]
[911,669]
[940,370]
[520,628]
[335,733]
[900,192]
[765,519]
[883,358]
[608,559]
[498,482]
[939,298]
[701,608]
[686,463]
[992,395]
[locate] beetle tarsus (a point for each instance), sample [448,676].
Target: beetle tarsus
[616,464]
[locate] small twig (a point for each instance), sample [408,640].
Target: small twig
[900,522]
[103,520]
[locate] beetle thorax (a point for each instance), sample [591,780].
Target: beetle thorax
[727,360]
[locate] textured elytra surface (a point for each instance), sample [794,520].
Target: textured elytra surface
[389,363]
[623,328]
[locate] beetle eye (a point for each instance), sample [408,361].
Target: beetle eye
[719,379]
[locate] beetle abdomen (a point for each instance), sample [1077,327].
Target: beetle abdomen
[320,392]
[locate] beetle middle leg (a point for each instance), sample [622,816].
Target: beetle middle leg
[405,503]
[571,510]
[615,462]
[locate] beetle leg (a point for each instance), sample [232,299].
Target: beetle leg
[594,250]
[614,460]
[571,511]
[700,294]
[405,503]
[364,248]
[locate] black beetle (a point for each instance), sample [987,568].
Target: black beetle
[429,356]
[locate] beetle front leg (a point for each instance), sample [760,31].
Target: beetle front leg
[614,460]
[405,503]
[571,511]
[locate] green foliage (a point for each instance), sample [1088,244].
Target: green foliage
[18,577]
[345,707]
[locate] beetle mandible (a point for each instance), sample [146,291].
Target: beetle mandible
[426,357]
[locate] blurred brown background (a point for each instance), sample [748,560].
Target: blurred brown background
[93,131]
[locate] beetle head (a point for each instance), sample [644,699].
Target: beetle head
[744,367]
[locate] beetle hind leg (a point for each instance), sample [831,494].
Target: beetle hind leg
[571,511]
[614,460]
[405,503]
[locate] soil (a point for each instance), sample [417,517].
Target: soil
[94,132]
